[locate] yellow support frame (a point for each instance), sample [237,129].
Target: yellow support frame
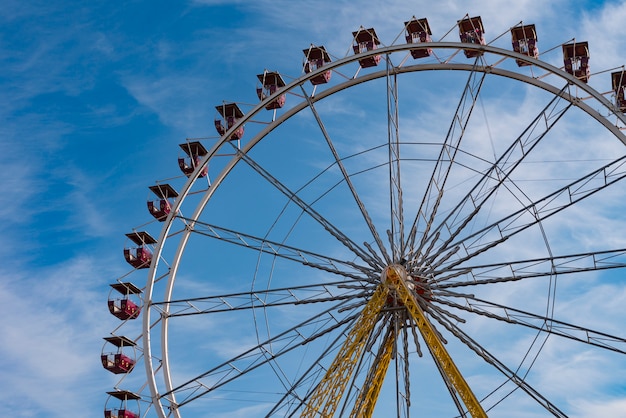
[326,396]
[364,407]
[395,278]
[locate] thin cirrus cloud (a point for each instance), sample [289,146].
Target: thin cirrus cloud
[92,114]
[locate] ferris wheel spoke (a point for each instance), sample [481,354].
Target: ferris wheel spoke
[396,234]
[348,181]
[435,189]
[537,322]
[264,353]
[295,295]
[343,268]
[539,210]
[525,269]
[512,376]
[293,197]
[498,173]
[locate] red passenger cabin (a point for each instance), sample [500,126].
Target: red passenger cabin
[125,408]
[162,206]
[271,82]
[230,114]
[524,39]
[140,255]
[366,40]
[619,87]
[576,60]
[471,31]
[124,307]
[418,32]
[117,361]
[316,57]
[195,151]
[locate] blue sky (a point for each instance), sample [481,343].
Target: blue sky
[97,97]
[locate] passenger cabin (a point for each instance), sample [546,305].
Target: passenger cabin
[128,406]
[117,361]
[366,40]
[314,58]
[271,82]
[619,87]
[418,32]
[195,151]
[162,206]
[140,255]
[127,306]
[230,114]
[471,31]
[524,39]
[576,60]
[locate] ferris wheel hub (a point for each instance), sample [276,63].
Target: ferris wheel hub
[393,274]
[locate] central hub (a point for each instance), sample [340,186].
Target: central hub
[393,274]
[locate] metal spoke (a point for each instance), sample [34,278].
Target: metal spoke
[347,179]
[294,198]
[538,322]
[445,162]
[396,235]
[499,172]
[299,255]
[524,269]
[296,295]
[263,353]
[498,365]
[540,209]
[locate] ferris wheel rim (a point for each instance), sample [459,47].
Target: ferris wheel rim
[386,51]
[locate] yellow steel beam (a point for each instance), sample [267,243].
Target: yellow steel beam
[326,396]
[395,277]
[364,407]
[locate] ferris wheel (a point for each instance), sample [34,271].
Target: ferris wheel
[425,228]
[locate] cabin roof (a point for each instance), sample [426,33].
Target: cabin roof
[141,238]
[164,191]
[366,35]
[229,109]
[193,148]
[418,25]
[125,288]
[270,78]
[124,395]
[120,341]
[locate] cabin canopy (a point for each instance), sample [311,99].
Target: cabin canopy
[118,361]
[161,207]
[618,80]
[230,113]
[366,40]
[271,82]
[124,307]
[140,256]
[194,151]
[471,31]
[576,60]
[524,40]
[418,31]
[128,406]
[316,57]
